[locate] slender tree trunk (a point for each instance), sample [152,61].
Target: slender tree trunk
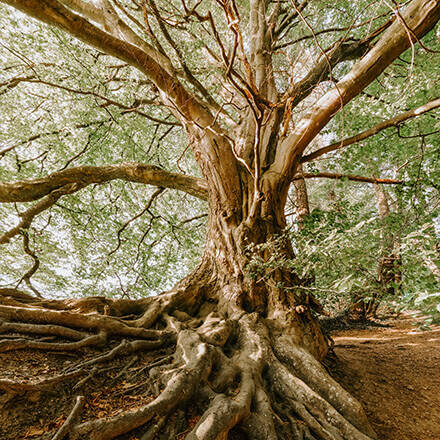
[389,266]
[301,198]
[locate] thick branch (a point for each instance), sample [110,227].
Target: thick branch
[54,13]
[393,122]
[420,16]
[322,68]
[117,27]
[260,43]
[34,189]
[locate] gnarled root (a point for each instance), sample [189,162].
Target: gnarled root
[239,372]
[196,357]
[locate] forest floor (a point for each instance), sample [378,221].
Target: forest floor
[393,369]
[395,372]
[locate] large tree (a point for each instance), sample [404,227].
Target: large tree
[250,94]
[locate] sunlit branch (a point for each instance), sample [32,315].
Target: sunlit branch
[117,27]
[393,122]
[421,16]
[54,13]
[321,70]
[352,177]
[34,189]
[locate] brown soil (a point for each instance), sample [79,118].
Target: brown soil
[395,373]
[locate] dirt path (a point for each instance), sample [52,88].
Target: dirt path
[395,373]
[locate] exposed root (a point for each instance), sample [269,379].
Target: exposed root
[18,295]
[12,389]
[123,349]
[42,385]
[224,413]
[197,357]
[18,344]
[68,424]
[259,425]
[243,374]
[154,429]
[130,363]
[108,324]
[92,373]
[52,330]
[311,372]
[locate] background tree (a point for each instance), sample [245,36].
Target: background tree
[129,110]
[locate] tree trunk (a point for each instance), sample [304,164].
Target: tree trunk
[247,348]
[389,273]
[301,198]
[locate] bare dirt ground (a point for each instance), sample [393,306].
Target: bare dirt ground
[395,373]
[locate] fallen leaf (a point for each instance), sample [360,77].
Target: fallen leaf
[33,432]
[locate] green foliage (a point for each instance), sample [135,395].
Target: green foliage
[51,129]
[339,247]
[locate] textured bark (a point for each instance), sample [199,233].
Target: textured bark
[301,197]
[234,363]
[34,189]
